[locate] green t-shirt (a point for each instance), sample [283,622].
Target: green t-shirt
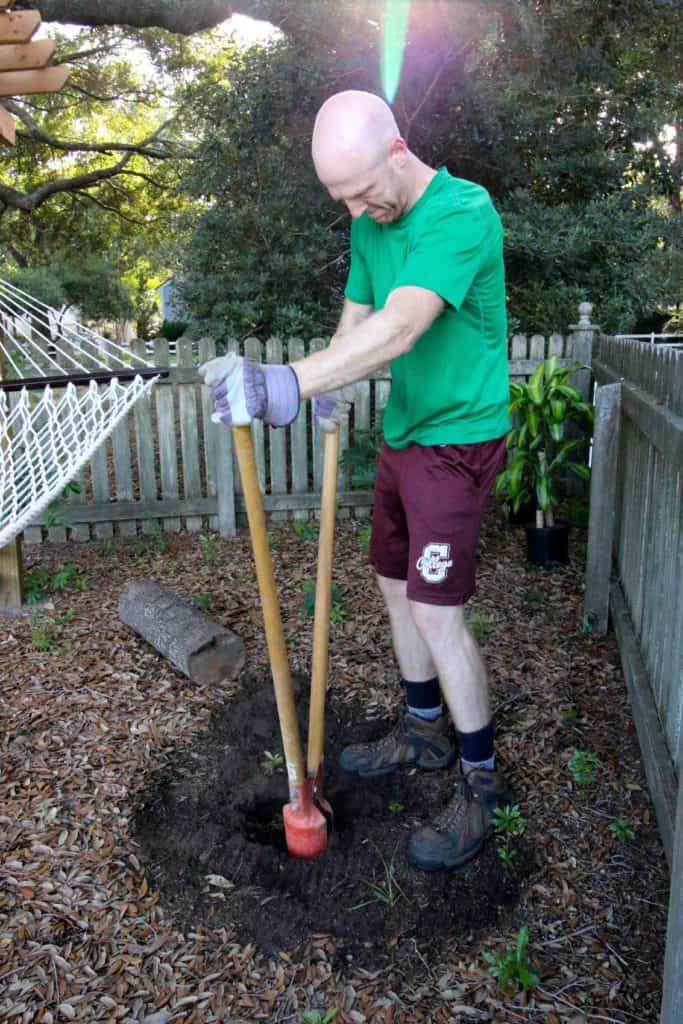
[452,387]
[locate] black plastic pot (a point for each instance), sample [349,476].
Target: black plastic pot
[525,516]
[548,545]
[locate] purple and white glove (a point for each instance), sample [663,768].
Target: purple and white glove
[330,409]
[244,390]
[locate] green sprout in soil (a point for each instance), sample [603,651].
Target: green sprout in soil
[305,529]
[43,633]
[38,582]
[202,600]
[479,626]
[582,765]
[365,535]
[337,613]
[571,717]
[396,808]
[210,546]
[271,762]
[337,610]
[317,1016]
[154,540]
[388,891]
[508,824]
[622,829]
[511,966]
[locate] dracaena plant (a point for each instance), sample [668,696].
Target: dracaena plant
[540,453]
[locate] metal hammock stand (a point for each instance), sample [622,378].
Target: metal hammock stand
[63,390]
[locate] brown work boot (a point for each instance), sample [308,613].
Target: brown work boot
[413,740]
[459,832]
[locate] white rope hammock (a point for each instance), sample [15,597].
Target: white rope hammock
[63,390]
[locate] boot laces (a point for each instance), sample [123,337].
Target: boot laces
[457,806]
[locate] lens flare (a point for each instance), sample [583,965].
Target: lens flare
[394,31]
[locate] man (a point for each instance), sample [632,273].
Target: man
[426,294]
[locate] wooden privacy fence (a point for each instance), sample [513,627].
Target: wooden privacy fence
[168,466]
[637,520]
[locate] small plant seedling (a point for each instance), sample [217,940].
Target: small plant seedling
[202,600]
[396,808]
[337,610]
[512,965]
[317,1016]
[480,627]
[306,529]
[43,633]
[534,595]
[337,613]
[508,824]
[67,576]
[36,583]
[365,535]
[271,762]
[273,542]
[571,717]
[66,617]
[582,765]
[622,829]
[388,891]
[152,541]
[210,546]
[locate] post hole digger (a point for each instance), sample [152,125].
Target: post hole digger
[304,821]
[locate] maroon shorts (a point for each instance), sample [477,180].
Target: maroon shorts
[429,505]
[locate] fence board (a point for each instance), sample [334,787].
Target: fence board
[99,470]
[207,350]
[316,345]
[144,445]
[518,353]
[298,435]
[189,436]
[252,349]
[277,438]
[166,427]
[123,473]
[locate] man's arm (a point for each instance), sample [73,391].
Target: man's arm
[370,340]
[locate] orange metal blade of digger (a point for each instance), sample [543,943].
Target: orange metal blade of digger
[305,827]
[321,622]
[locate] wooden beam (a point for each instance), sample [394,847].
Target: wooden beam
[602,507]
[23,83]
[672,1001]
[23,56]
[7,127]
[18,26]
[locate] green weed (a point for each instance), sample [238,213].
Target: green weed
[480,627]
[306,529]
[43,633]
[396,808]
[210,546]
[36,583]
[388,891]
[202,600]
[364,535]
[317,1016]
[337,611]
[271,762]
[152,541]
[508,824]
[622,829]
[68,576]
[582,766]
[512,965]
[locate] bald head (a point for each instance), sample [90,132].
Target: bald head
[352,133]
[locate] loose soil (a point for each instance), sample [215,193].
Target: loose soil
[212,836]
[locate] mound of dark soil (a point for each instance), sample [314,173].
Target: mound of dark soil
[212,841]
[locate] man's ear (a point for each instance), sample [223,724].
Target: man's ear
[398,150]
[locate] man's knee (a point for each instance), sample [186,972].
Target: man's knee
[392,590]
[434,621]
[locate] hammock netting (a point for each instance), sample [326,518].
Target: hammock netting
[63,389]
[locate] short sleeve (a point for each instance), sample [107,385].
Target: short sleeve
[446,257]
[358,284]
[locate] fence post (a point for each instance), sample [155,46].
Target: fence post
[602,507]
[672,987]
[580,348]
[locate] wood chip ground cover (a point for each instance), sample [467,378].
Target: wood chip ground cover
[88,927]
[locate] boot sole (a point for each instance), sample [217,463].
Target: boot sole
[434,765]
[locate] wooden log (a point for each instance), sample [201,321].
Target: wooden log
[602,508]
[201,649]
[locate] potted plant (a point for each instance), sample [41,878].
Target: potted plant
[541,454]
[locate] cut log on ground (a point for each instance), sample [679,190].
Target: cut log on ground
[199,648]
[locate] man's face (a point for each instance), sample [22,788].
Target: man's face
[375,192]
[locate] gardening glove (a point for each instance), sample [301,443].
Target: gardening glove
[330,409]
[244,390]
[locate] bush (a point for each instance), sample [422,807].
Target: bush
[172,329]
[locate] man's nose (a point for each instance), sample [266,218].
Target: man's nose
[356,207]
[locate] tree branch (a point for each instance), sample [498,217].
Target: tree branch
[178,16]
[28,201]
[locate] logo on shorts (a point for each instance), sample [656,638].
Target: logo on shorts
[434,563]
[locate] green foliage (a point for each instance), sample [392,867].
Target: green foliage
[359,460]
[153,541]
[508,824]
[396,808]
[480,627]
[211,548]
[622,829]
[364,535]
[511,966]
[271,762]
[540,454]
[582,767]
[57,512]
[387,891]
[43,633]
[337,611]
[36,583]
[202,600]
[173,329]
[306,529]
[317,1016]
[39,581]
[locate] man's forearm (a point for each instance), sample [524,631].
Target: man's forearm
[353,355]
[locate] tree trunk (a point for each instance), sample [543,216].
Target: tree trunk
[175,15]
[202,650]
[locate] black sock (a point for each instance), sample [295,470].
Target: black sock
[424,698]
[476,748]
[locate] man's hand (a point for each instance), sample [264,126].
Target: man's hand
[330,409]
[244,390]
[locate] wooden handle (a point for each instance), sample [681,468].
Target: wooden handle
[321,622]
[279,666]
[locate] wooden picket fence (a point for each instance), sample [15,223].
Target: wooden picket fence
[169,467]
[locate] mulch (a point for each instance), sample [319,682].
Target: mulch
[96,729]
